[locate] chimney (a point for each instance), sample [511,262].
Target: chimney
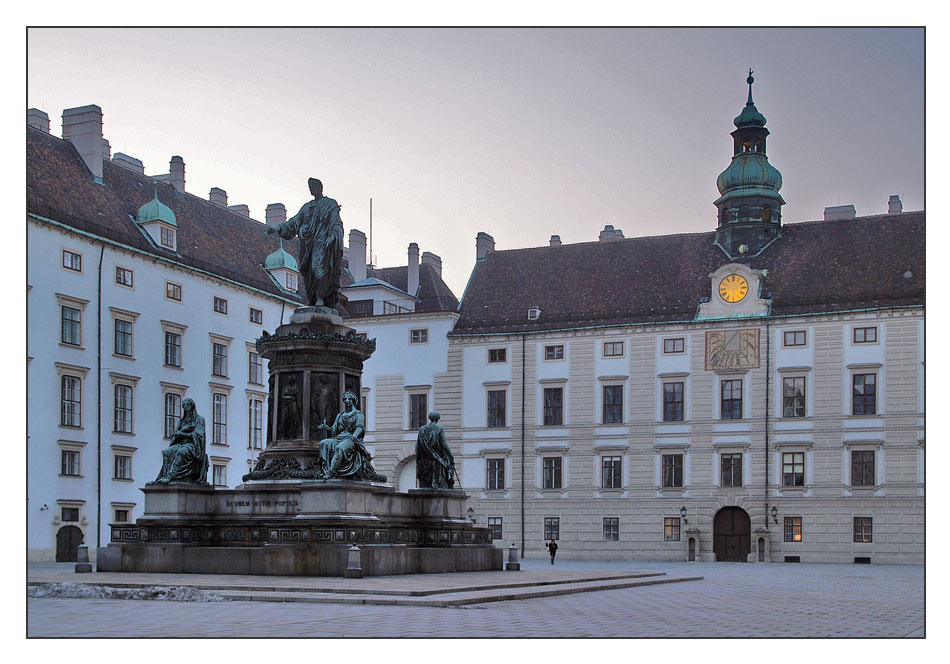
[555,241]
[131,163]
[82,127]
[484,245]
[240,209]
[609,234]
[176,169]
[37,119]
[218,196]
[357,254]
[894,205]
[275,214]
[839,212]
[428,258]
[412,279]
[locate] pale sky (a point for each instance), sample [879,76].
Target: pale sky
[521,133]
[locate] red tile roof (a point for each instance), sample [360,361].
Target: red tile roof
[819,266]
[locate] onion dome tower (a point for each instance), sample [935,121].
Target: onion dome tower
[750,207]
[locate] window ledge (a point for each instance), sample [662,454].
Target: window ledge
[73,346]
[75,477]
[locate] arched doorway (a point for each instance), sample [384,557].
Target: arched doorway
[732,530]
[68,539]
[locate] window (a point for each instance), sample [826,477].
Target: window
[70,463]
[497,355]
[730,469]
[496,408]
[611,528]
[220,419]
[671,529]
[290,281]
[255,369]
[554,352]
[123,337]
[863,394]
[534,313]
[256,316]
[120,516]
[123,276]
[551,473]
[793,529]
[72,326]
[675,345]
[219,474]
[172,413]
[122,422]
[862,467]
[613,404]
[553,405]
[219,360]
[167,238]
[862,529]
[552,528]
[793,397]
[731,399]
[172,291]
[793,469]
[865,335]
[71,403]
[494,525]
[610,472]
[794,338]
[420,336]
[613,348]
[255,427]
[172,349]
[418,410]
[122,467]
[220,305]
[72,260]
[672,402]
[496,473]
[70,514]
[672,467]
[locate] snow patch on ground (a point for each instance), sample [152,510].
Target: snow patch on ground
[82,590]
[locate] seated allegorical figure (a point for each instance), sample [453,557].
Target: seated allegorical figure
[185,460]
[343,455]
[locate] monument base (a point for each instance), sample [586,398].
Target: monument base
[302,528]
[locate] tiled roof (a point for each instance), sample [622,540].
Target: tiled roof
[434,294]
[818,266]
[210,237]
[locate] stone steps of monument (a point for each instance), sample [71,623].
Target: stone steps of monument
[453,597]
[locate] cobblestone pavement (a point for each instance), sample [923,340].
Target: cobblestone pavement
[733,600]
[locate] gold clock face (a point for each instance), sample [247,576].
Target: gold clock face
[733,288]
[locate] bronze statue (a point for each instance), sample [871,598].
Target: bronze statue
[343,455]
[185,460]
[288,423]
[435,465]
[319,232]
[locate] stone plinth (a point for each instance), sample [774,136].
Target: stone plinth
[300,528]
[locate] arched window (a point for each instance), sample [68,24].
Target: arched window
[766,213]
[743,212]
[758,144]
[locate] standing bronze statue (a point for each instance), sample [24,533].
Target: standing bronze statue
[435,465]
[343,455]
[185,460]
[319,232]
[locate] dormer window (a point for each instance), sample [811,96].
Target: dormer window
[291,281]
[167,238]
[534,313]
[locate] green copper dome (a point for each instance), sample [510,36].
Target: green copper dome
[750,170]
[155,210]
[750,116]
[281,259]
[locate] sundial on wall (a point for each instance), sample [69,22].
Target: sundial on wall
[732,349]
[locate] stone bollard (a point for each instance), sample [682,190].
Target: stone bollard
[353,569]
[512,565]
[82,560]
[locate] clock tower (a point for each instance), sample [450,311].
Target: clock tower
[750,207]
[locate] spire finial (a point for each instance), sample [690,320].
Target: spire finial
[750,81]
[155,188]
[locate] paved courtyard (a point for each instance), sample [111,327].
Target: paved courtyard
[733,600]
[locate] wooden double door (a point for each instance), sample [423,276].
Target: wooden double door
[68,539]
[732,535]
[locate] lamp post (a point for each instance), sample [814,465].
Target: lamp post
[471,514]
[774,514]
[683,514]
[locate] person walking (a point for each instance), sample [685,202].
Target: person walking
[552,549]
